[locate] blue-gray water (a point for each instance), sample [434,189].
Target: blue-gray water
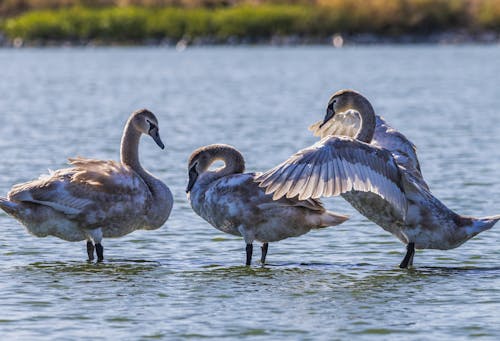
[186,280]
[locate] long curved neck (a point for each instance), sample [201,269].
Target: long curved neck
[129,149]
[367,116]
[233,163]
[129,155]
[161,195]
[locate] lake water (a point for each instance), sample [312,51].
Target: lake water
[186,280]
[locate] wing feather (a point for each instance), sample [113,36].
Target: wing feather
[342,124]
[87,184]
[351,166]
[294,188]
[403,150]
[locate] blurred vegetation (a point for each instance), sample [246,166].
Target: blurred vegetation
[137,20]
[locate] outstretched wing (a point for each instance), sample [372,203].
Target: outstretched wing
[403,150]
[337,165]
[89,183]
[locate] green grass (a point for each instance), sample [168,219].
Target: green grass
[135,24]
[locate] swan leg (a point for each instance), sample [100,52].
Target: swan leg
[90,250]
[410,263]
[408,260]
[249,254]
[264,248]
[96,236]
[100,252]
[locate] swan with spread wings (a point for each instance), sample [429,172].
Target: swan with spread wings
[375,168]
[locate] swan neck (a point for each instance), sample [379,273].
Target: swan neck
[129,154]
[161,195]
[233,163]
[367,117]
[129,148]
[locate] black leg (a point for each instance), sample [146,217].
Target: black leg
[408,260]
[100,252]
[410,263]
[249,254]
[264,248]
[90,250]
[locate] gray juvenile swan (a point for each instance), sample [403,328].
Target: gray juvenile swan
[95,198]
[232,202]
[375,168]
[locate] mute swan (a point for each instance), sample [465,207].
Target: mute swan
[95,198]
[375,168]
[232,202]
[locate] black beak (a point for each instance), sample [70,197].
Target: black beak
[193,175]
[329,115]
[156,136]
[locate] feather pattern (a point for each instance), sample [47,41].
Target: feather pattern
[77,190]
[345,123]
[402,149]
[353,165]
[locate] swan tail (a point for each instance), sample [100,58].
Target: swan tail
[9,207]
[329,218]
[479,225]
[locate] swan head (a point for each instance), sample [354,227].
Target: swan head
[146,123]
[199,161]
[340,101]
[202,158]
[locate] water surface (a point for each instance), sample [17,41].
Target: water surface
[186,280]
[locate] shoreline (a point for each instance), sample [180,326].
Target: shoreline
[336,41]
[338,23]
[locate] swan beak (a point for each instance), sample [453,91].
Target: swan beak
[329,115]
[156,136]
[193,175]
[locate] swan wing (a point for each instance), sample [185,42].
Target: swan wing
[403,150]
[336,165]
[105,176]
[345,123]
[88,185]
[51,190]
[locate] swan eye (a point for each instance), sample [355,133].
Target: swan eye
[151,125]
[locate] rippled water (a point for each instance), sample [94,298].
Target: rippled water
[186,280]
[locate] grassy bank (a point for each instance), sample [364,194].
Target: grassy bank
[136,24]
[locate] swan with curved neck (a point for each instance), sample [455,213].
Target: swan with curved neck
[96,198]
[204,157]
[232,202]
[162,200]
[375,168]
[345,100]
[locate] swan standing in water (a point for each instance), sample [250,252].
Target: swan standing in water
[233,202]
[375,168]
[95,198]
